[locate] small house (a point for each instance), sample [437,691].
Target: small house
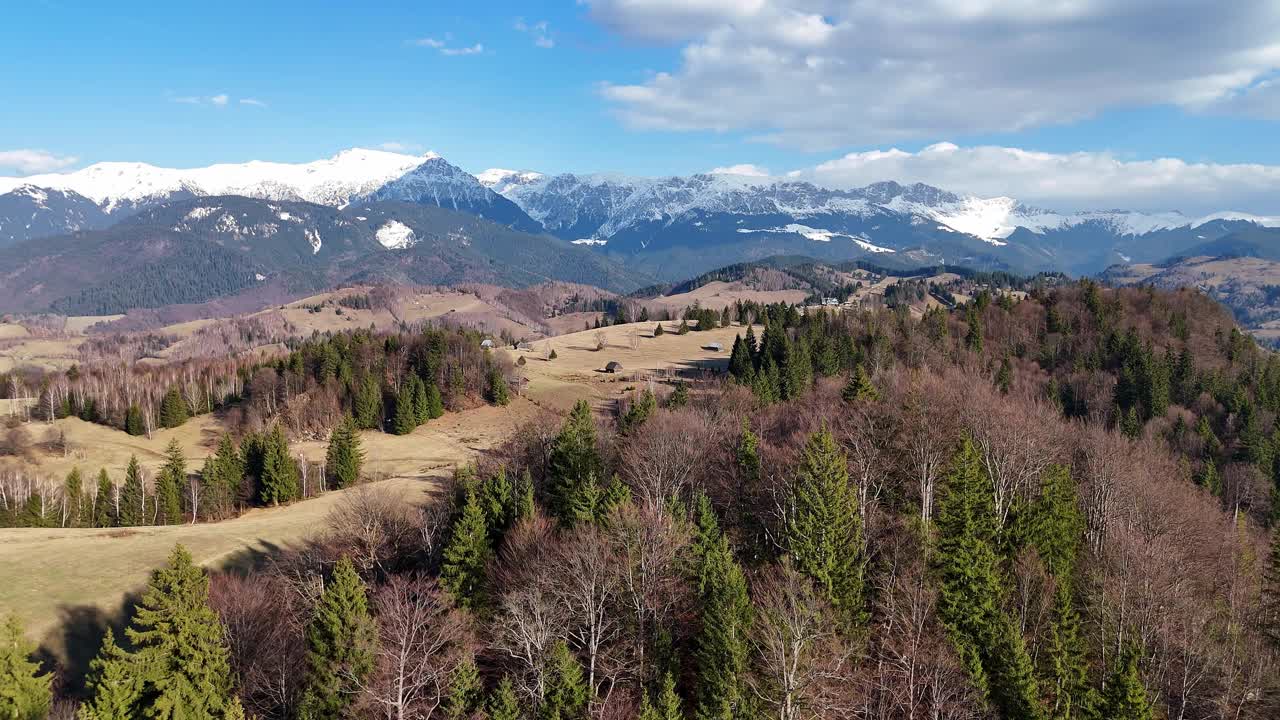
[486,344]
[522,345]
[715,347]
[613,367]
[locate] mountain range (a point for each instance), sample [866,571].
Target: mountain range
[623,231]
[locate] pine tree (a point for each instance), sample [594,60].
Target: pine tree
[466,694]
[368,404]
[502,703]
[73,491]
[565,692]
[574,463]
[169,485]
[641,408]
[498,500]
[104,510]
[406,417]
[344,457]
[340,639]
[721,651]
[179,645]
[421,402]
[740,366]
[525,505]
[683,329]
[1126,697]
[1209,478]
[859,388]
[1057,523]
[824,536]
[115,684]
[173,409]
[657,330]
[973,338]
[280,475]
[133,498]
[667,706]
[25,693]
[1004,376]
[222,476]
[465,557]
[1066,665]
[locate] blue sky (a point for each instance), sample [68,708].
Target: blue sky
[652,87]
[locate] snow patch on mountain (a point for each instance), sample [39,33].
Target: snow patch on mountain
[395,235]
[499,180]
[313,237]
[821,235]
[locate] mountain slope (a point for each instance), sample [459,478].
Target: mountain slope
[197,250]
[28,211]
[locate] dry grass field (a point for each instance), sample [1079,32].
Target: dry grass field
[55,575]
[717,295]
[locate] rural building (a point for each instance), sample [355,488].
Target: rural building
[486,343]
[715,347]
[613,366]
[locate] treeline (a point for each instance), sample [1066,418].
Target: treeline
[260,470]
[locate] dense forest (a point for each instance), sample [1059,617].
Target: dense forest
[1057,506]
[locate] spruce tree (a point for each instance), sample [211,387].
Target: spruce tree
[496,389]
[435,403]
[502,703]
[221,477]
[133,422]
[465,557]
[368,404]
[1057,523]
[344,457]
[657,330]
[280,475]
[341,640]
[179,645]
[466,694]
[824,536]
[115,684]
[133,498]
[525,505]
[859,388]
[169,485]
[1126,697]
[574,463]
[721,650]
[104,509]
[565,692]
[25,693]
[1066,665]
[173,409]
[406,417]
[667,706]
[740,366]
[497,497]
[73,491]
[421,402]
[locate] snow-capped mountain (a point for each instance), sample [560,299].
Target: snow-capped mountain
[643,215]
[30,211]
[121,189]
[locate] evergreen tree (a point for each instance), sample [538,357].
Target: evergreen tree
[679,396]
[104,510]
[173,409]
[859,388]
[683,329]
[498,500]
[1209,478]
[740,366]
[25,693]
[344,457]
[496,388]
[368,404]
[657,330]
[1066,665]
[1057,523]
[466,694]
[406,417]
[565,692]
[986,640]
[721,651]
[465,557]
[169,485]
[222,476]
[667,706]
[133,498]
[421,403]
[502,703]
[73,491]
[115,684]
[179,643]
[641,408]
[435,403]
[525,505]
[1004,376]
[341,640]
[1126,697]
[574,463]
[973,338]
[824,535]
[133,422]
[280,475]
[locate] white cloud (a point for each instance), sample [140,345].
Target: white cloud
[219,100]
[472,50]
[29,162]
[541,32]
[823,73]
[742,169]
[443,47]
[400,147]
[1071,181]
[253,102]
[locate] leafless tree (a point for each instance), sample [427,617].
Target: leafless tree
[659,463]
[372,525]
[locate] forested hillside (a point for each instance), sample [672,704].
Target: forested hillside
[1051,507]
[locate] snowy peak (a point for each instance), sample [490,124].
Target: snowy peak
[500,180]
